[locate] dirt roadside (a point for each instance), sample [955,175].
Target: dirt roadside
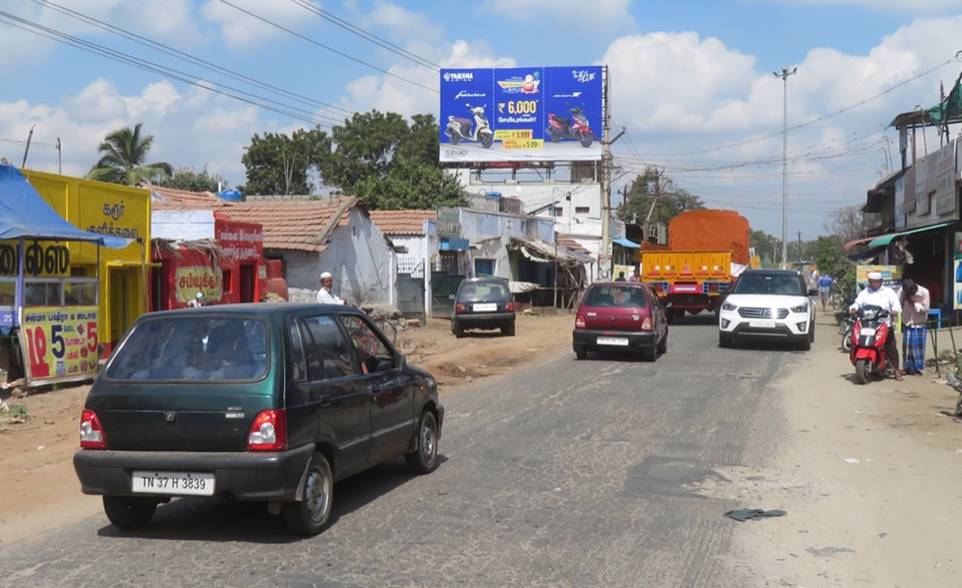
[41,492]
[869,475]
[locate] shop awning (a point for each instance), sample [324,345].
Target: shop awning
[626,243]
[884,240]
[25,215]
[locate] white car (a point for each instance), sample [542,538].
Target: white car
[768,304]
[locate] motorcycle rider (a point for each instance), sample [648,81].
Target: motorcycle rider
[877,294]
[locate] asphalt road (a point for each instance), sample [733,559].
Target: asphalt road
[568,473]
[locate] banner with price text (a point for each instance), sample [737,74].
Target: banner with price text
[522,114]
[59,343]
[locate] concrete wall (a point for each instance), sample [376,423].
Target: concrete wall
[357,255]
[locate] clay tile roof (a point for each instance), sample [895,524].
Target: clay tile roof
[571,244]
[298,225]
[402,222]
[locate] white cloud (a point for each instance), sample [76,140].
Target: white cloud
[193,128]
[396,95]
[613,12]
[241,31]
[403,24]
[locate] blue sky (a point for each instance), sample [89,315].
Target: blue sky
[687,76]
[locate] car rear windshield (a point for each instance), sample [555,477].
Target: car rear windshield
[616,297]
[484,291]
[192,349]
[786,285]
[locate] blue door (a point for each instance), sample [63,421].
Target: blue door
[483,267]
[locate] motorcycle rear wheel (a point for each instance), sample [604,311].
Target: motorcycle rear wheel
[847,343]
[586,139]
[862,371]
[454,137]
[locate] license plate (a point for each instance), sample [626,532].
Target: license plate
[762,324]
[493,307]
[180,483]
[618,341]
[868,332]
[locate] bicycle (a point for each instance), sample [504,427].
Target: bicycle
[384,323]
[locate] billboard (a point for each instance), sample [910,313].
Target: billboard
[522,114]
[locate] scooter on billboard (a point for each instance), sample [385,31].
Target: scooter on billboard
[464,129]
[574,127]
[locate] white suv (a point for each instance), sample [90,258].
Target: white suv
[768,304]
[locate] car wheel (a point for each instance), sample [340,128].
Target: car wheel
[805,343]
[649,353]
[310,515]
[508,331]
[663,345]
[581,352]
[811,332]
[458,330]
[129,512]
[424,459]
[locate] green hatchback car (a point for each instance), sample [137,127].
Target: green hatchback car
[257,402]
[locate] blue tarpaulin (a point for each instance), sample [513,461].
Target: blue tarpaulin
[25,214]
[626,243]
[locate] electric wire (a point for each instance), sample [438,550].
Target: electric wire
[367,35]
[183,55]
[327,47]
[146,65]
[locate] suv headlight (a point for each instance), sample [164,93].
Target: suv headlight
[729,306]
[800,308]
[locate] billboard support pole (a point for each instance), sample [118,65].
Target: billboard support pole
[604,250]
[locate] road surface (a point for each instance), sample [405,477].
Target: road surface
[567,473]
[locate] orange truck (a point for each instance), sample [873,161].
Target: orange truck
[707,249]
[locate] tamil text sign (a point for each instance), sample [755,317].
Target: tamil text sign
[521,114]
[60,343]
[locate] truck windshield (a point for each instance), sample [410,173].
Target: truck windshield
[192,349]
[615,297]
[784,285]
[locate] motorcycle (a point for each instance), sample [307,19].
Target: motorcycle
[846,329]
[464,129]
[953,380]
[869,334]
[574,127]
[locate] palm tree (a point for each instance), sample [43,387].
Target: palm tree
[122,159]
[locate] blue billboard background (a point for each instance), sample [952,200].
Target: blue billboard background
[504,114]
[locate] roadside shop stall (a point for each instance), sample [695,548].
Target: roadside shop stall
[49,328]
[204,252]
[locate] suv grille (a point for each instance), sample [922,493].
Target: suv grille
[763,313]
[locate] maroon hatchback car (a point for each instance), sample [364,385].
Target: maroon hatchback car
[621,317]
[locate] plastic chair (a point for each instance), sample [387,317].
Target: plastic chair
[935,313]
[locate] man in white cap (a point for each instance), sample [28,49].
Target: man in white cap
[877,294]
[326,294]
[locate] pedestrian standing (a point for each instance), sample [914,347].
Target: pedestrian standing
[915,315]
[326,294]
[825,284]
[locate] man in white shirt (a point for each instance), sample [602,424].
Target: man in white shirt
[885,298]
[326,294]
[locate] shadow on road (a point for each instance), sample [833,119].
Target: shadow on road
[205,519]
[704,319]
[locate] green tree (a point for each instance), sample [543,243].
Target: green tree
[421,143]
[654,188]
[185,178]
[278,163]
[364,147]
[767,247]
[410,183]
[122,156]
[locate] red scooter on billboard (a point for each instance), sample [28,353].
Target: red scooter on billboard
[574,127]
[868,343]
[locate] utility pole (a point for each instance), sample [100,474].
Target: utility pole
[799,247]
[26,150]
[59,156]
[784,76]
[604,248]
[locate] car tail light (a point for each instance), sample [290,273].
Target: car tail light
[509,307]
[91,431]
[268,431]
[646,324]
[459,308]
[580,322]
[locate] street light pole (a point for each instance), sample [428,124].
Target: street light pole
[784,76]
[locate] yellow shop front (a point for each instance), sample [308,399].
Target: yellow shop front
[114,211]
